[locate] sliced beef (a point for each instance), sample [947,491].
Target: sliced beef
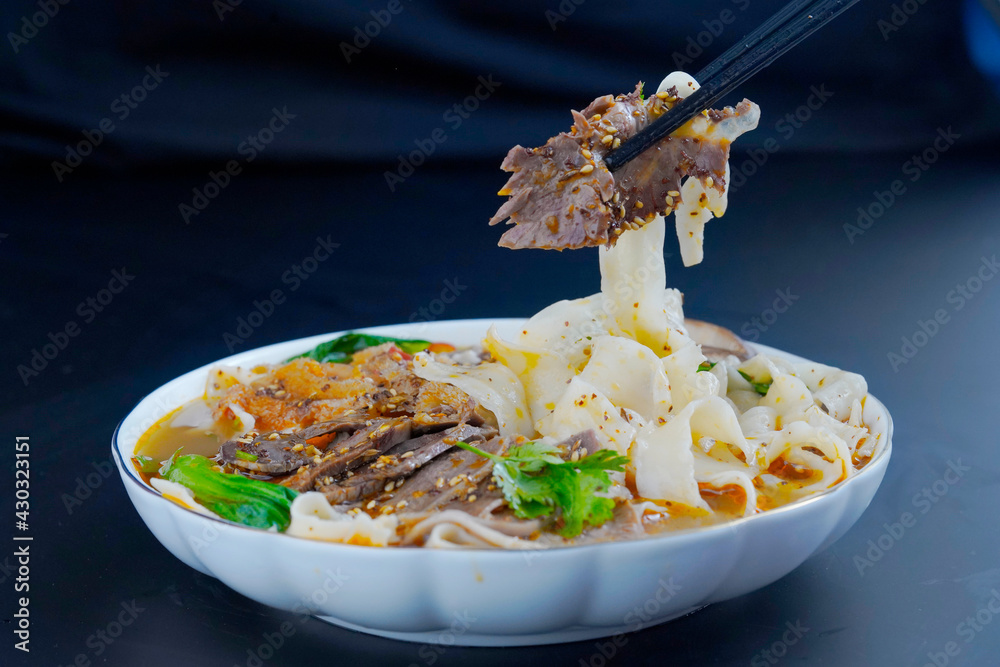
[716,342]
[441,415]
[563,196]
[365,445]
[342,424]
[452,475]
[272,453]
[398,462]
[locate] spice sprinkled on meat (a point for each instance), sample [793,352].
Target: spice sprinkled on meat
[563,196]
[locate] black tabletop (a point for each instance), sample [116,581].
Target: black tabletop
[904,292]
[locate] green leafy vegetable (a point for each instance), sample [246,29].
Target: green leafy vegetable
[341,350]
[245,456]
[536,481]
[706,365]
[145,464]
[760,387]
[642,95]
[233,497]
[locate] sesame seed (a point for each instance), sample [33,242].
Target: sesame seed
[662,95]
[401,504]
[709,182]
[587,154]
[280,392]
[390,486]
[586,169]
[617,197]
[670,201]
[472,498]
[612,129]
[575,456]
[370,505]
[638,204]
[406,455]
[607,139]
[617,143]
[439,483]
[273,436]
[673,193]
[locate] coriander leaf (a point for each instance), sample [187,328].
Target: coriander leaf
[760,387]
[341,350]
[536,482]
[534,455]
[245,456]
[642,95]
[706,365]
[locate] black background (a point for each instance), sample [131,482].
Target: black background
[859,294]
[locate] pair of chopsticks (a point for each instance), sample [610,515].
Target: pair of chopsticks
[776,36]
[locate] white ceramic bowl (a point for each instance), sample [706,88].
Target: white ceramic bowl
[491,597]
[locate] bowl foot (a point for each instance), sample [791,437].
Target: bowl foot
[446,637]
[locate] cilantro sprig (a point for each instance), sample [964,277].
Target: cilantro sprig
[760,387]
[536,482]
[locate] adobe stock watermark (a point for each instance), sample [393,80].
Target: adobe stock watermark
[122,106]
[923,501]
[453,117]
[430,653]
[758,324]
[696,45]
[913,169]
[102,638]
[779,649]
[223,7]
[88,483]
[364,34]
[87,310]
[968,630]
[899,16]
[249,148]
[31,25]
[561,13]
[636,619]
[435,308]
[293,277]
[957,297]
[786,127]
[272,642]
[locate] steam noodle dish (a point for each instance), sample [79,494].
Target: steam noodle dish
[604,418]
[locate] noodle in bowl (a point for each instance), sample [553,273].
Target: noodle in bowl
[506,597]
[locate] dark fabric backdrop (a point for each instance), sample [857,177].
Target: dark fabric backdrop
[229,65]
[898,81]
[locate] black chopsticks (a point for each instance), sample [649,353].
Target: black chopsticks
[772,39]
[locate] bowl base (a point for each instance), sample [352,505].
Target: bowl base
[446,637]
